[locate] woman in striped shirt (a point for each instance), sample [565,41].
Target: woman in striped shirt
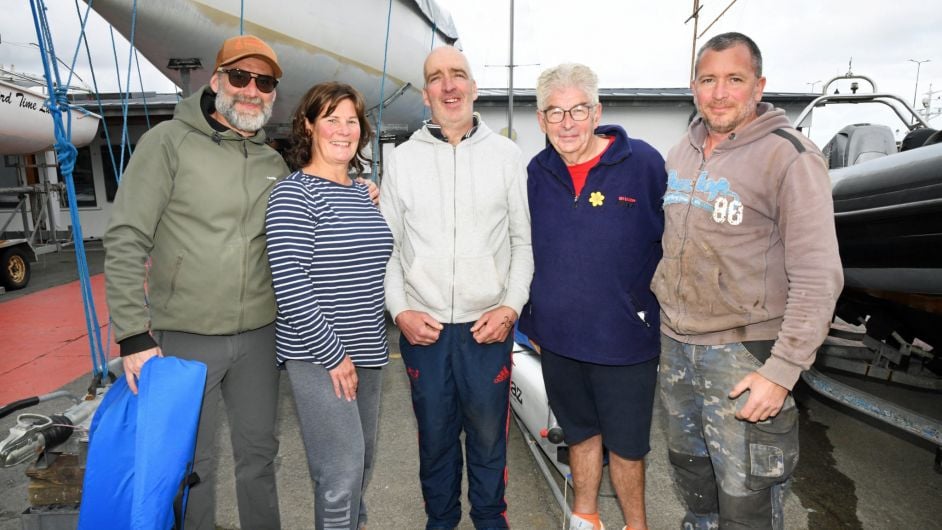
[328,246]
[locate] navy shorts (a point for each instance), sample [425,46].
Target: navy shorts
[614,401]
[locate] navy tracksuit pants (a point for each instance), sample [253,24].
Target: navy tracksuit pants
[458,384]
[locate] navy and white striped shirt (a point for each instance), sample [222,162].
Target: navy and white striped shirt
[328,246]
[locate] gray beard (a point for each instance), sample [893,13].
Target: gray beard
[244,121]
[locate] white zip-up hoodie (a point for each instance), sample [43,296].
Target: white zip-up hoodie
[461,226]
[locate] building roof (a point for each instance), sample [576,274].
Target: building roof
[490,96]
[112,103]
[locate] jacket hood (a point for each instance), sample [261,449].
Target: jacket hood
[190,112]
[617,152]
[423,135]
[769,119]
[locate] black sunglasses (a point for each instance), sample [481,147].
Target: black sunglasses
[240,79]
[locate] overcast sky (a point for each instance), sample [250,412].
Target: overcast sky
[629,43]
[647,44]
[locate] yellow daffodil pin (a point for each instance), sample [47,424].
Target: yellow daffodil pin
[596,199]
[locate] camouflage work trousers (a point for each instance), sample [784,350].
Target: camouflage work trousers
[732,474]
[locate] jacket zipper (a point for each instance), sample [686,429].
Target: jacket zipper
[575,197]
[639,313]
[245,210]
[454,235]
[680,253]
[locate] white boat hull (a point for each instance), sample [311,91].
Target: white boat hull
[315,41]
[529,402]
[26,125]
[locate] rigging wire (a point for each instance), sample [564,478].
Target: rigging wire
[125,140]
[140,80]
[117,69]
[374,166]
[101,109]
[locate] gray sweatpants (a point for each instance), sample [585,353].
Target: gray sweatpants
[241,370]
[340,441]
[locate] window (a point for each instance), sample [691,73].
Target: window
[111,183]
[9,179]
[84,181]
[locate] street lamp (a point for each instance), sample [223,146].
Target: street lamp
[918,66]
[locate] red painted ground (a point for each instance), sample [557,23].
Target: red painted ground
[44,341]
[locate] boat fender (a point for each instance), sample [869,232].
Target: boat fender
[554,434]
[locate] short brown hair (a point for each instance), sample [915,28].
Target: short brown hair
[322,99]
[725,41]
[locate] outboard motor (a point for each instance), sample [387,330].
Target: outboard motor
[858,143]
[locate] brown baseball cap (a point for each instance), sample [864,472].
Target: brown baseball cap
[243,46]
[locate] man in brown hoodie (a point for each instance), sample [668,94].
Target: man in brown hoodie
[747,287]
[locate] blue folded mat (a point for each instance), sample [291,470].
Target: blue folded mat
[141,447]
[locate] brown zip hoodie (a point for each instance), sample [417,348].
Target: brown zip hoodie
[750,251]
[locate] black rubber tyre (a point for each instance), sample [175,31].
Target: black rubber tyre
[14,268]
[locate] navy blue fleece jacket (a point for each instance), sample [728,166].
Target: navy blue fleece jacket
[594,254]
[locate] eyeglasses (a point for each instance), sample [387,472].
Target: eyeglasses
[240,79]
[578,113]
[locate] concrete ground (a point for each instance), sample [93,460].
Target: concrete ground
[854,471]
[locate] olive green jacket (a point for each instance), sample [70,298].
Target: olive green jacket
[192,200]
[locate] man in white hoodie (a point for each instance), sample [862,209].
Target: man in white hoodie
[454,196]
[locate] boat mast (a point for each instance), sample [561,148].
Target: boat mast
[693,42]
[696,20]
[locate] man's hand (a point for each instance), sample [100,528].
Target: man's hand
[765,398]
[372,188]
[344,376]
[418,327]
[494,325]
[134,362]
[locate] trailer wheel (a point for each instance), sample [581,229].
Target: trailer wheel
[14,268]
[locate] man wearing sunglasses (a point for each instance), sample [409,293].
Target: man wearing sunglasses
[193,201]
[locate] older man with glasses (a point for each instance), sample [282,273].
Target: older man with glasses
[595,204]
[192,201]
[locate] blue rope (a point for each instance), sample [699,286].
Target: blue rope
[124,130]
[125,139]
[114,52]
[78,45]
[242,17]
[66,153]
[101,108]
[140,80]
[382,95]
